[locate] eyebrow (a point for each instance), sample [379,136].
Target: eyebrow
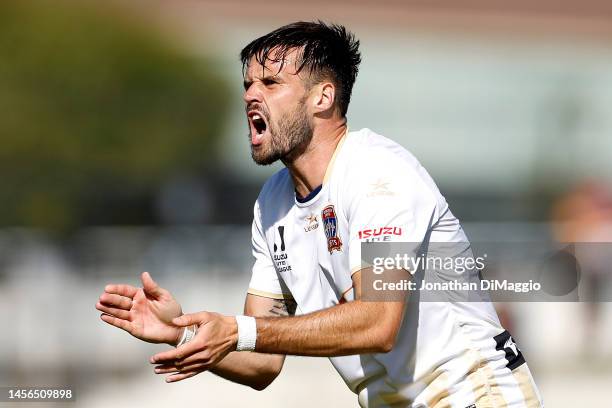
[247,83]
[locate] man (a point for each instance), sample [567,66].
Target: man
[309,222]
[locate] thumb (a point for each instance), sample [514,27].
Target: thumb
[149,285]
[192,318]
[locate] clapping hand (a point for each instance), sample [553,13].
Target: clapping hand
[146,313]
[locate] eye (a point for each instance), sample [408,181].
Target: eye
[269,81]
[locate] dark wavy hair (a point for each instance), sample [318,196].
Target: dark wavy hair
[328,51]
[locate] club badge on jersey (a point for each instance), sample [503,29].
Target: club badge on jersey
[330,226]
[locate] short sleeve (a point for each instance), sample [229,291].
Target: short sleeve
[389,202]
[264,279]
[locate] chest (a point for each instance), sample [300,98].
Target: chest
[309,249]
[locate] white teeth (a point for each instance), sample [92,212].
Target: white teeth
[256,117]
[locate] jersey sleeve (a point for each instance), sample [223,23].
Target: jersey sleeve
[264,278]
[390,201]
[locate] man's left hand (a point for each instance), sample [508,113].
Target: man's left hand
[216,336]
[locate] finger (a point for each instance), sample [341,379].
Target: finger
[168,368]
[201,358]
[191,318]
[176,355]
[149,285]
[114,321]
[181,376]
[120,313]
[120,302]
[122,290]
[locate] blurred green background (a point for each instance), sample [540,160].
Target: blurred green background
[98,110]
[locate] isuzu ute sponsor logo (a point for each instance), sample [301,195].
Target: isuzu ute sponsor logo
[281,259]
[379,232]
[330,226]
[281,233]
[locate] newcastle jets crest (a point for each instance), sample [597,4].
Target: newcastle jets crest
[330,226]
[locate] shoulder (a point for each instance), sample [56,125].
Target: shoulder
[275,195]
[379,171]
[275,184]
[373,155]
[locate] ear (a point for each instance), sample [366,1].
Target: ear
[324,97]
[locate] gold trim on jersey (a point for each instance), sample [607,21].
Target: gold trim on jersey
[436,394]
[330,165]
[487,392]
[270,295]
[523,377]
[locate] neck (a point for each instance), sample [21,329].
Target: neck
[308,169]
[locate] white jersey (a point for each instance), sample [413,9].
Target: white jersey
[447,354]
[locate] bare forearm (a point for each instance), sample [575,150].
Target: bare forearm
[351,328]
[255,370]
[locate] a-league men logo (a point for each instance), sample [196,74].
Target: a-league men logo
[330,226]
[281,232]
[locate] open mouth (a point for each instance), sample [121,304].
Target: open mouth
[258,126]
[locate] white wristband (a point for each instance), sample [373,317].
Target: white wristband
[188,334]
[247,333]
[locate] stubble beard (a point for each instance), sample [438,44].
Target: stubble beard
[288,139]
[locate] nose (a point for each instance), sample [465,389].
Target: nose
[252,94]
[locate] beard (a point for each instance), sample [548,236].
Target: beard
[287,139]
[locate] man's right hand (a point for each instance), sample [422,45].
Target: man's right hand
[146,313]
